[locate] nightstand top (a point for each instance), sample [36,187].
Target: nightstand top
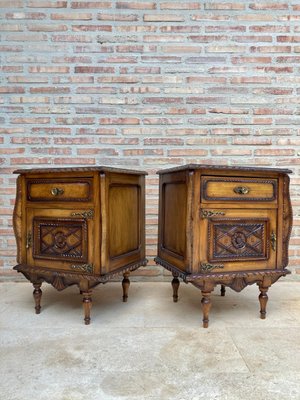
[80,169]
[224,168]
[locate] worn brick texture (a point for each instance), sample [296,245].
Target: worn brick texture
[148,85]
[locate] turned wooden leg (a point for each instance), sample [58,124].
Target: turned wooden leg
[87,305]
[125,286]
[263,299]
[223,290]
[206,305]
[37,295]
[175,286]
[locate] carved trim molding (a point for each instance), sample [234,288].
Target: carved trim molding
[170,267]
[61,280]
[247,274]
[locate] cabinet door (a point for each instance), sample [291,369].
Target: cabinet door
[60,240]
[237,240]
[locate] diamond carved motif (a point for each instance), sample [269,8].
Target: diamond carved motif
[233,240]
[60,239]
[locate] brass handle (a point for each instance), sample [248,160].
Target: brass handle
[241,190]
[210,213]
[89,214]
[57,191]
[273,241]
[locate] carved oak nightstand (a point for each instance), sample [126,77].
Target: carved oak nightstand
[224,225]
[79,226]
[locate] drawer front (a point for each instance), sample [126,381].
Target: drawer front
[238,240]
[60,240]
[60,190]
[238,189]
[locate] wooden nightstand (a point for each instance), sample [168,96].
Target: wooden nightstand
[79,226]
[224,225]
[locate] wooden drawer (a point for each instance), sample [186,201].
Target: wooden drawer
[60,190]
[221,188]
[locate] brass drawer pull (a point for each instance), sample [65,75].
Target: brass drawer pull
[210,267]
[241,190]
[57,191]
[210,213]
[273,241]
[89,214]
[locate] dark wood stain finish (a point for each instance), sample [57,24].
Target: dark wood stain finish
[224,225]
[79,226]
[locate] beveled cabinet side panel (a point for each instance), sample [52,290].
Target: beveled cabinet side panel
[123,229]
[174,218]
[173,199]
[123,212]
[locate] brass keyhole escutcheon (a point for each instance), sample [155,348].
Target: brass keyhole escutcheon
[273,241]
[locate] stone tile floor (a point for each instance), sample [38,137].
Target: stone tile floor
[149,347]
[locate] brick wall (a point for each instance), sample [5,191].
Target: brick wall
[148,85]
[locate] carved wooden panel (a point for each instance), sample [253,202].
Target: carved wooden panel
[60,239]
[233,239]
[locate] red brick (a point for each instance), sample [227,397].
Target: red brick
[47,28]
[274,152]
[269,28]
[224,6]
[92,28]
[71,38]
[30,120]
[22,15]
[12,89]
[91,4]
[94,70]
[75,120]
[117,17]
[187,152]
[49,70]
[180,5]
[270,49]
[72,16]
[50,90]
[119,121]
[268,6]
[8,3]
[136,5]
[47,4]
[163,18]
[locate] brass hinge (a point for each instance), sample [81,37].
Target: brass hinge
[28,240]
[210,267]
[210,213]
[88,268]
[89,214]
[273,241]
